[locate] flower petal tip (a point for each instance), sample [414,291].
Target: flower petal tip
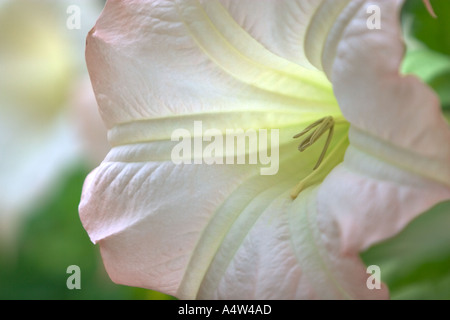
[430,8]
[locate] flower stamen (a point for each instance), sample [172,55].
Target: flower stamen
[326,162]
[317,176]
[322,125]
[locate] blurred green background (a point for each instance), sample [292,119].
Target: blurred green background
[41,234]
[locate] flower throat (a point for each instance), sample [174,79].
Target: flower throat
[317,130]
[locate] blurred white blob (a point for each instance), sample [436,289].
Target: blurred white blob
[48,112]
[90,129]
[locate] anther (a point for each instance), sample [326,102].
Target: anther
[318,129]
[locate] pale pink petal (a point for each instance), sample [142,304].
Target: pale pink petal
[398,162]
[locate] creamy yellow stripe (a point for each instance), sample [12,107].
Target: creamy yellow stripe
[246,66]
[159,129]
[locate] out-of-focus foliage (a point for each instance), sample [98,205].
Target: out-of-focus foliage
[428,40]
[416,263]
[434,33]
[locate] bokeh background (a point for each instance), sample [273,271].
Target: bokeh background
[51,137]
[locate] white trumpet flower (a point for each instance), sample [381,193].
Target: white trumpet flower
[312,69]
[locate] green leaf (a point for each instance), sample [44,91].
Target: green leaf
[428,46]
[433,33]
[416,263]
